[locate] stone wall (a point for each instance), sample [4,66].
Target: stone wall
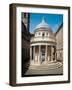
[59,41]
[25,36]
[25,43]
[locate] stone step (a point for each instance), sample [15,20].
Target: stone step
[51,64]
[47,66]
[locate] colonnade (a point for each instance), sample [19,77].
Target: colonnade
[52,56]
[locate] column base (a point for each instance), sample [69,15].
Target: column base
[53,61]
[32,62]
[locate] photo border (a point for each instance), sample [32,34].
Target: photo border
[12,63]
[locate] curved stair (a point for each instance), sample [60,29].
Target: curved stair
[52,65]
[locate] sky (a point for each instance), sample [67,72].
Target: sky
[53,20]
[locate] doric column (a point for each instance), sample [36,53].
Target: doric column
[39,54]
[52,53]
[34,53]
[46,55]
[30,52]
[55,53]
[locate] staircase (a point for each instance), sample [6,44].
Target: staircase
[51,65]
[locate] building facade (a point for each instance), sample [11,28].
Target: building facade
[42,45]
[25,36]
[59,41]
[25,42]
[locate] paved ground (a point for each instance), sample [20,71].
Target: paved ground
[41,70]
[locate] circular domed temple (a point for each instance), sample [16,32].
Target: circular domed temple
[42,45]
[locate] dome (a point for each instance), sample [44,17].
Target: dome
[43,24]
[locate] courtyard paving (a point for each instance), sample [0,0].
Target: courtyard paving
[51,69]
